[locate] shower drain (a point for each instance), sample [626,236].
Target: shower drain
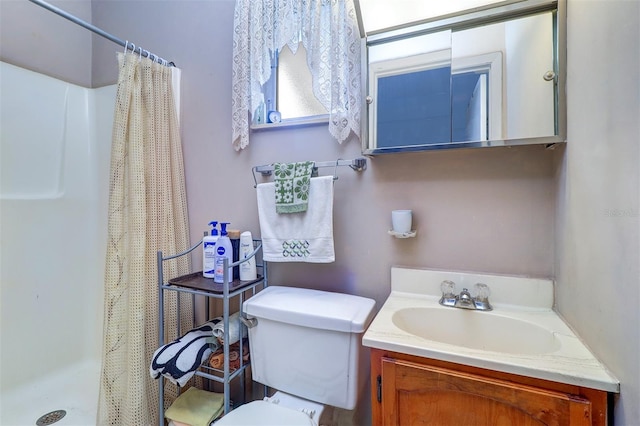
[50,418]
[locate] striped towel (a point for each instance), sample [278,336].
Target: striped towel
[178,360]
[292,186]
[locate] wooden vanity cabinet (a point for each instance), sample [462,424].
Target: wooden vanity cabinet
[410,390]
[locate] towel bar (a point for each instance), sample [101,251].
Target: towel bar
[357,164]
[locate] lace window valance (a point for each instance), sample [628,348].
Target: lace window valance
[329,32]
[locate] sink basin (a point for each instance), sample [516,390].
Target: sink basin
[523,335]
[476,330]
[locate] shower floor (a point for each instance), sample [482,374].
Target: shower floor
[74,389]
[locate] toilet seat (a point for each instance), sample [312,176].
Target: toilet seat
[267,414]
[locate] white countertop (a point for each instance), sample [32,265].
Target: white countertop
[523,299]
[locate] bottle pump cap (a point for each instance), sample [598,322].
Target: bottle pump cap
[223,227]
[213,225]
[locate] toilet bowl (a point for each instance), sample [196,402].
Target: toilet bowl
[307,345]
[281,409]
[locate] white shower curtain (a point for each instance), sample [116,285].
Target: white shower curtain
[147,213]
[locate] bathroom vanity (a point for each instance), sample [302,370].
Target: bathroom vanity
[516,364]
[411,390]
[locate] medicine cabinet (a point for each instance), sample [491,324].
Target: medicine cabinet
[489,76]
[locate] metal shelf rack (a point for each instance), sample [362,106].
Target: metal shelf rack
[195,284]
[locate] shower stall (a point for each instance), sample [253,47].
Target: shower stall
[54,150]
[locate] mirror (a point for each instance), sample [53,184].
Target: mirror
[489,78]
[410,91]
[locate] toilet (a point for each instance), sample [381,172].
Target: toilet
[305,344]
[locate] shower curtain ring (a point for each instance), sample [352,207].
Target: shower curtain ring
[133,48]
[154,57]
[126,44]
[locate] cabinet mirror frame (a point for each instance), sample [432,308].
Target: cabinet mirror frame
[459,22]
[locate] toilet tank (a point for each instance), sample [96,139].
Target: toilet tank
[308,343]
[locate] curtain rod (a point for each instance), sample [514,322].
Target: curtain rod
[100,32]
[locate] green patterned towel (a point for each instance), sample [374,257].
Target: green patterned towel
[292,186]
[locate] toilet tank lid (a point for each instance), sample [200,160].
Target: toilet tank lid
[312,308]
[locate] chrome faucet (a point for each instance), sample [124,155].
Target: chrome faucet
[465,300]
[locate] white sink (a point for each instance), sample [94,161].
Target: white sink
[476,330]
[522,334]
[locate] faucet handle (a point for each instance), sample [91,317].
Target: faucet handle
[448,298]
[447,287]
[482,292]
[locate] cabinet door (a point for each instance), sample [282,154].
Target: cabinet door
[416,394]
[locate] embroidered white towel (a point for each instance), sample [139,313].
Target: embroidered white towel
[298,237]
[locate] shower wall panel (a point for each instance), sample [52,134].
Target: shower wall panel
[55,144]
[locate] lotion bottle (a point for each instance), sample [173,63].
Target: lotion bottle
[234,236]
[248,268]
[223,251]
[209,252]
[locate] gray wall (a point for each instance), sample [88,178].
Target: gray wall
[482,210]
[474,210]
[34,38]
[598,208]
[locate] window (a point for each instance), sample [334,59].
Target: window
[294,92]
[290,91]
[333,43]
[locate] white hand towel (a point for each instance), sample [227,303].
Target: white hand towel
[298,237]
